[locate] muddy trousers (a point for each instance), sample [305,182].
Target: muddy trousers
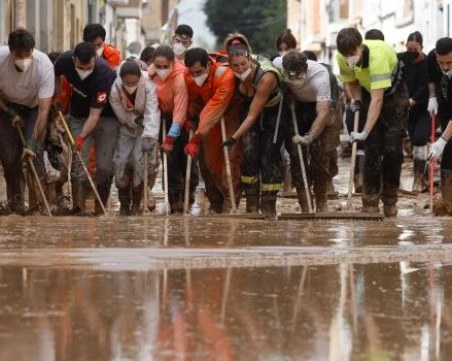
[262,163]
[10,155]
[128,162]
[384,150]
[316,157]
[105,136]
[177,165]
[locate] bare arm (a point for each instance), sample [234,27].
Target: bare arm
[91,122]
[447,134]
[266,85]
[323,111]
[41,120]
[375,105]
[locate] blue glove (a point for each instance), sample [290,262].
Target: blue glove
[174,131]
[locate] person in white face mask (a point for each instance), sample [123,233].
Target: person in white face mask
[90,118]
[133,98]
[371,73]
[96,34]
[182,41]
[168,75]
[308,83]
[440,104]
[27,85]
[211,87]
[261,166]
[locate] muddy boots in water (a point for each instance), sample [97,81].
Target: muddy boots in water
[252,197]
[137,198]
[420,155]
[79,193]
[124,201]
[445,207]
[359,171]
[321,204]
[268,204]
[302,200]
[176,201]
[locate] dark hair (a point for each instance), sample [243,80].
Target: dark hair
[310,55]
[129,67]
[184,31]
[348,40]
[84,52]
[374,34]
[20,39]
[416,36]
[295,61]
[94,31]
[237,44]
[443,46]
[194,55]
[147,54]
[287,38]
[165,51]
[53,56]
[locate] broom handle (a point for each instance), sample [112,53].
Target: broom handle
[227,162]
[300,156]
[432,166]
[352,162]
[165,169]
[187,180]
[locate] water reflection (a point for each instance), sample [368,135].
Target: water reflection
[337,312]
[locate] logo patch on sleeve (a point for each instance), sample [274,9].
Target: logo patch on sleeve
[101,97]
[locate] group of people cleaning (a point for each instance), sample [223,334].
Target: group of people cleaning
[235,116]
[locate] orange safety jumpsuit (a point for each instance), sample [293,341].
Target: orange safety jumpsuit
[215,99]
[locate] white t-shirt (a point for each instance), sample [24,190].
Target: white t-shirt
[316,86]
[25,88]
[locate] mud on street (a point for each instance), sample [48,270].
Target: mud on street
[203,288]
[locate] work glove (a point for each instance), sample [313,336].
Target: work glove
[148,144]
[432,106]
[79,142]
[229,142]
[304,141]
[16,119]
[437,149]
[355,105]
[358,136]
[30,149]
[192,147]
[168,144]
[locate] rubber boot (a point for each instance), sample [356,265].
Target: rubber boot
[252,197]
[359,171]
[137,198]
[176,202]
[446,189]
[268,204]
[321,204]
[124,201]
[420,155]
[287,178]
[302,200]
[16,205]
[78,198]
[104,192]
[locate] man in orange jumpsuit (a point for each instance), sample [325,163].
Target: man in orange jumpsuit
[211,88]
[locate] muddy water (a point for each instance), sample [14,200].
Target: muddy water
[224,289]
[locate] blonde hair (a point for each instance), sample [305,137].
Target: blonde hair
[236,44]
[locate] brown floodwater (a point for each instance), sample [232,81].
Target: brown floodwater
[197,288]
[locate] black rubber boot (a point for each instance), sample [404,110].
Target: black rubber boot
[124,201]
[252,197]
[137,198]
[78,198]
[268,204]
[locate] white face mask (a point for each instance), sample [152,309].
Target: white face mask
[163,73]
[200,80]
[447,73]
[352,60]
[244,75]
[83,74]
[23,64]
[130,89]
[100,51]
[179,49]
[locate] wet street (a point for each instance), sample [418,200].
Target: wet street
[204,288]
